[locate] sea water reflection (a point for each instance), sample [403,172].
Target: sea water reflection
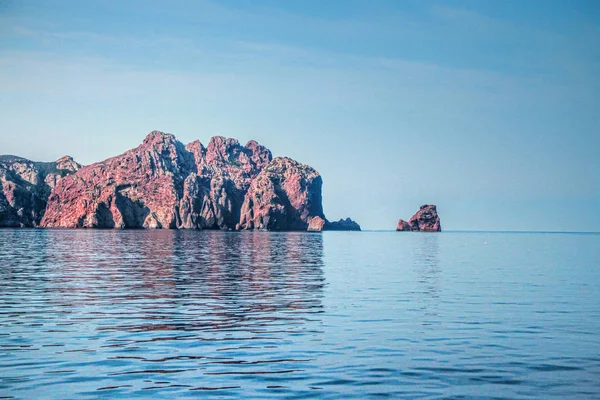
[174,314]
[129,311]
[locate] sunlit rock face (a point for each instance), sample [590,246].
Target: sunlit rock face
[164,184]
[25,186]
[284,196]
[316,224]
[425,220]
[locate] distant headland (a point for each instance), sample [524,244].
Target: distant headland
[163,183]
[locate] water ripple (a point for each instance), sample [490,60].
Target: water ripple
[174,314]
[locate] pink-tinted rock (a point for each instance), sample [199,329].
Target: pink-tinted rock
[137,189]
[316,224]
[425,220]
[164,184]
[403,226]
[25,186]
[284,196]
[213,193]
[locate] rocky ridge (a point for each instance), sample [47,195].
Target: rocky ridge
[164,184]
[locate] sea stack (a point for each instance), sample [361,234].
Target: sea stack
[425,220]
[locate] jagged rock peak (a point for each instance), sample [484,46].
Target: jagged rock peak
[284,163]
[196,144]
[67,163]
[222,150]
[259,154]
[65,158]
[164,184]
[158,136]
[253,144]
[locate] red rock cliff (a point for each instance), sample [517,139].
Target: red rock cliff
[164,184]
[25,186]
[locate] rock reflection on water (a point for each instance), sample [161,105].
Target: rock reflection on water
[426,264]
[122,311]
[175,314]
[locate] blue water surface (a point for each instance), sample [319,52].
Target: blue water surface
[177,314]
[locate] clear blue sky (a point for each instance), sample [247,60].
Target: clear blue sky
[489,109]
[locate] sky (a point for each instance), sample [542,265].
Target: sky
[488,109]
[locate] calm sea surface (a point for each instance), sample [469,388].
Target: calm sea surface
[176,314]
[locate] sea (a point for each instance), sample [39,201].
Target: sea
[88,314]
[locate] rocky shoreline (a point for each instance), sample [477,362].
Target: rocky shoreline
[165,184]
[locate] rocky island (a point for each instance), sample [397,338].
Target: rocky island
[425,220]
[163,183]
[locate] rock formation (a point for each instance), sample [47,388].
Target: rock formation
[284,196]
[164,184]
[316,224]
[403,226]
[343,225]
[25,186]
[425,220]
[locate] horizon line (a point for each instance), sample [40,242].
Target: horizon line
[490,231]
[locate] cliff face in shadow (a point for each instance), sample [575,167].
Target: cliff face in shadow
[165,184]
[25,186]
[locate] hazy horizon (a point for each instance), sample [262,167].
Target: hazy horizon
[487,109]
